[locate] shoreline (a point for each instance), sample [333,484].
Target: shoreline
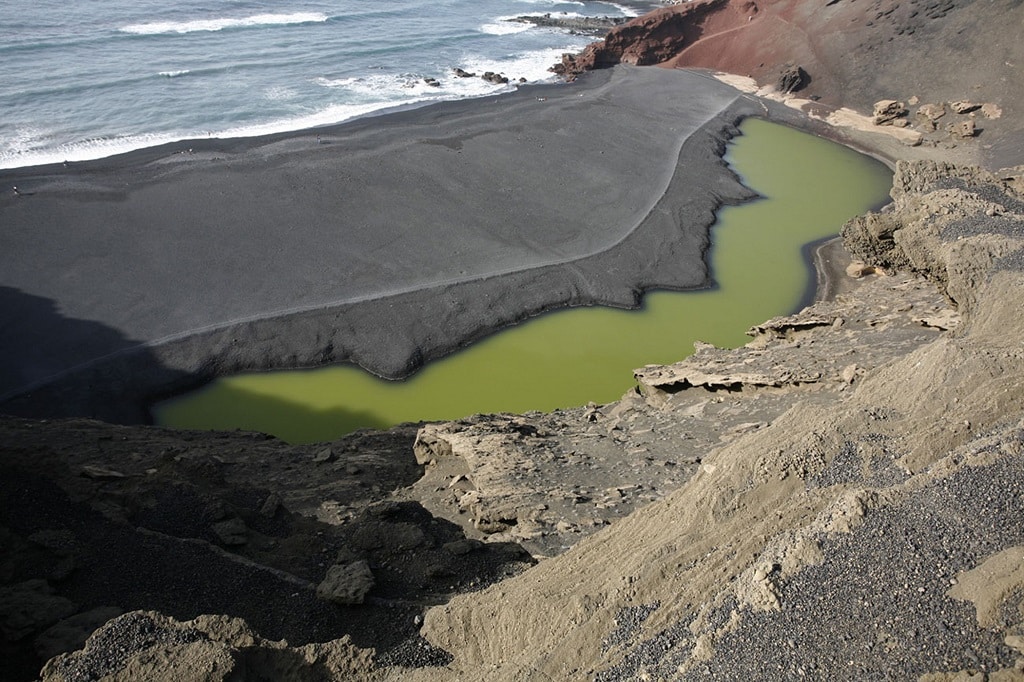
[563,252]
[421,322]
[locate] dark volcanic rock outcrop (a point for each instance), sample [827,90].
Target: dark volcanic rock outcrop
[573,24]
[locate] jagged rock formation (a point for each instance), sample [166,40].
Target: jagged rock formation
[151,646]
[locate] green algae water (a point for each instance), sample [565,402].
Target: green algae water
[810,187]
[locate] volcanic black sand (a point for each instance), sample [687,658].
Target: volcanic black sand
[386,241]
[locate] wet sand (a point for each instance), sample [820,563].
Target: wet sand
[386,241]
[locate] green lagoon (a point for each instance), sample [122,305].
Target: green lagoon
[568,358]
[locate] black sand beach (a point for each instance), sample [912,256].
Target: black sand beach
[386,241]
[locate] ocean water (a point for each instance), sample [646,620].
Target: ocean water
[86,79]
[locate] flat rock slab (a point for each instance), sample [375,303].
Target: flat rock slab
[593,179]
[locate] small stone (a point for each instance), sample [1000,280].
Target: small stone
[231,532]
[858,269]
[964,107]
[848,374]
[964,129]
[461,547]
[932,112]
[888,110]
[791,79]
[991,111]
[101,473]
[270,505]
[1015,642]
[324,455]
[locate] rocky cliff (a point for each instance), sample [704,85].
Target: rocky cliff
[870,528]
[841,498]
[845,53]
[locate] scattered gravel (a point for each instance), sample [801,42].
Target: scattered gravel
[843,618]
[112,647]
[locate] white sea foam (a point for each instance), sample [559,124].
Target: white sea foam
[327,116]
[555,2]
[504,27]
[625,11]
[278,93]
[386,88]
[174,74]
[159,27]
[36,153]
[533,66]
[336,82]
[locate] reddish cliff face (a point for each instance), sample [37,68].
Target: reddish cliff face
[660,35]
[853,52]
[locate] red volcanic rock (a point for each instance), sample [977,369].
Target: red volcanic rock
[853,52]
[654,37]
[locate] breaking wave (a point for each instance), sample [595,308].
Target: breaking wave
[159,27]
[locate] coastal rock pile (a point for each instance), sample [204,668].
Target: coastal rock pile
[597,26]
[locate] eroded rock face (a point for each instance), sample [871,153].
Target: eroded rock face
[788,549]
[950,223]
[649,39]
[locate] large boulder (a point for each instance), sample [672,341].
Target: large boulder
[346,583]
[792,79]
[887,111]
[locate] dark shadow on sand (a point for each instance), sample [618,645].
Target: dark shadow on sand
[58,366]
[168,562]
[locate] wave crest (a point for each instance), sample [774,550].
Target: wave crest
[158,27]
